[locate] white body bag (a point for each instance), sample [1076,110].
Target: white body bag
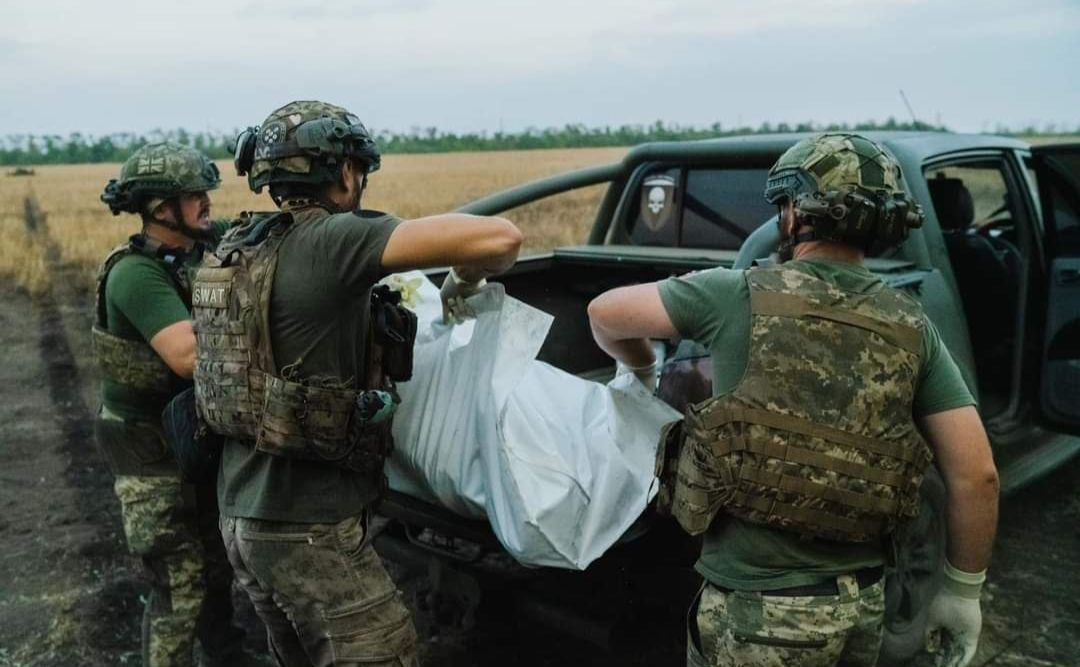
[559,465]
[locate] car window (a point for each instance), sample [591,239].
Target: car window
[657,210]
[973,196]
[722,207]
[1063,203]
[697,208]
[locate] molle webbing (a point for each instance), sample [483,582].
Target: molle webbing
[132,363]
[790,305]
[729,414]
[817,437]
[129,362]
[230,301]
[238,389]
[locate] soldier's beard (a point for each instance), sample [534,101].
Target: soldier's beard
[197,233]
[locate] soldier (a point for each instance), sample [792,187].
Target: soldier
[826,382]
[298,351]
[145,346]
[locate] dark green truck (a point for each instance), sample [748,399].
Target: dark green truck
[996,266]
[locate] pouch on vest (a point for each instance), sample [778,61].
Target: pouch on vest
[393,328]
[133,447]
[197,449]
[667,458]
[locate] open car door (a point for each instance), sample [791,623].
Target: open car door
[1058,172]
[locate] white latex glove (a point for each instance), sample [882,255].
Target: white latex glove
[955,618]
[453,294]
[647,374]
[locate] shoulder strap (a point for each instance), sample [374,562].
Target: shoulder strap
[101,313]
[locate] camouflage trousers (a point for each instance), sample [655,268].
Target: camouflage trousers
[173,529]
[751,629]
[322,592]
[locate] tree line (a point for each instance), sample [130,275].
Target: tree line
[78,148]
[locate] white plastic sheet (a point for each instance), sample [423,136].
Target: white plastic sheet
[559,465]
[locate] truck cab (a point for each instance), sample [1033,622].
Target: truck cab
[996,266]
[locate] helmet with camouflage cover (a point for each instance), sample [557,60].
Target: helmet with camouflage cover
[304,143]
[157,172]
[847,188]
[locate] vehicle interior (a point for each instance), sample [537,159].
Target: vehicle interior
[979,222]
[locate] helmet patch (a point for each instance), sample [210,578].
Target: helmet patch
[150,163]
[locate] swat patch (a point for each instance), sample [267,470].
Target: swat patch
[211,295]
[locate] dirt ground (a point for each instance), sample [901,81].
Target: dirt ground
[70,595]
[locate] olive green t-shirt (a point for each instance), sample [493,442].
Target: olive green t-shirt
[319,312]
[713,308]
[141,298]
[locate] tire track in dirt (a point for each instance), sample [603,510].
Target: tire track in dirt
[62,370]
[95,623]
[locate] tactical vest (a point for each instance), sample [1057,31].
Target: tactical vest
[239,391]
[818,436]
[131,362]
[134,447]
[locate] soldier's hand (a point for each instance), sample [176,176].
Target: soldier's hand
[954,621]
[455,290]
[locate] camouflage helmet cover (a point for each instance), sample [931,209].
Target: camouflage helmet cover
[848,187]
[156,172]
[304,142]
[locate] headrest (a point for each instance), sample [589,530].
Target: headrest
[952,202]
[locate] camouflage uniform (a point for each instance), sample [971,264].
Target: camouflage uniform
[813,448]
[172,528]
[754,629]
[322,592]
[170,525]
[302,461]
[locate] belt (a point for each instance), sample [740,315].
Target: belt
[863,578]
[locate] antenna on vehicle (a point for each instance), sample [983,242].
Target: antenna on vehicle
[908,105]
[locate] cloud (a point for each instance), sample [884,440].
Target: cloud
[328,9]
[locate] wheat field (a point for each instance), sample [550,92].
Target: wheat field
[83,230]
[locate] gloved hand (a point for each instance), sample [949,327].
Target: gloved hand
[645,374]
[955,618]
[454,291]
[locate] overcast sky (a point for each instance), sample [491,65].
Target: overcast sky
[471,65]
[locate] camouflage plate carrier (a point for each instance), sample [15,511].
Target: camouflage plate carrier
[129,362]
[817,437]
[239,392]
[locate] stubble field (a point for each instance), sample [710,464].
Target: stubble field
[409,186]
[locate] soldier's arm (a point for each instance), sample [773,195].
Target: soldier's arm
[476,246]
[967,465]
[624,319]
[175,344]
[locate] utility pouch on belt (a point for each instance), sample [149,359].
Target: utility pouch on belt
[197,449]
[133,447]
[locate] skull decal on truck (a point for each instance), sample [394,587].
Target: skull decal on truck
[657,201]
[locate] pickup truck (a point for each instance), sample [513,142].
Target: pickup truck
[996,266]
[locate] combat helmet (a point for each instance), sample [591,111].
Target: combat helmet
[847,188]
[157,172]
[303,143]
